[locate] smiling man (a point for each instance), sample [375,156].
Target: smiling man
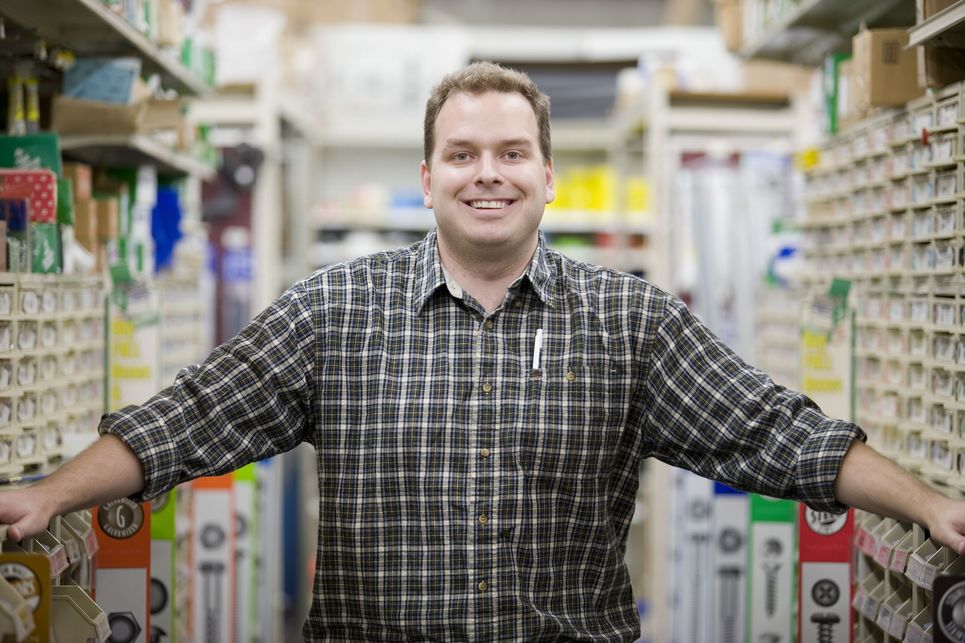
[480,406]
[488,180]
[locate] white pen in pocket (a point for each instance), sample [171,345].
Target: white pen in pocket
[537,354]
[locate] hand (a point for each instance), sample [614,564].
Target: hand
[947,523]
[26,512]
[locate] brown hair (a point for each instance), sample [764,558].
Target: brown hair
[481,77]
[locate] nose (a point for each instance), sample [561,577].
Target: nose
[487,170]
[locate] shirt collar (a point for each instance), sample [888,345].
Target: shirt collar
[430,275]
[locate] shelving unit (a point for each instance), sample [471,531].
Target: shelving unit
[885,211]
[805,31]
[946,28]
[661,126]
[89,27]
[51,368]
[53,328]
[132,151]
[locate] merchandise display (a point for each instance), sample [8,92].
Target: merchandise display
[154,199]
[885,213]
[76,231]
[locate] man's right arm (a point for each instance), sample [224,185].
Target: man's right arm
[107,470]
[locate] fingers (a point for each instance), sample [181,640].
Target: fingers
[14,533]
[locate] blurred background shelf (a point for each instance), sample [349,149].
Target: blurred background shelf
[89,28]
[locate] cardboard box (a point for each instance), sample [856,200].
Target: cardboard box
[108,219]
[301,14]
[767,76]
[85,223]
[170,16]
[80,116]
[885,72]
[81,176]
[728,14]
[162,114]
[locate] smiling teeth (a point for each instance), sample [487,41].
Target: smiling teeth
[489,204]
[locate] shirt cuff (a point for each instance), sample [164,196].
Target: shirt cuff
[143,431]
[820,461]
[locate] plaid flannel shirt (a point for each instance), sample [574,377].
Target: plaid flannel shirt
[465,495]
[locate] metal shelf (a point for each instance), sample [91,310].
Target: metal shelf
[89,28]
[132,151]
[945,28]
[815,28]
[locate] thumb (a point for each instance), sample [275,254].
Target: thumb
[958,545]
[14,533]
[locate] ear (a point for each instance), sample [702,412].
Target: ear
[425,176]
[550,189]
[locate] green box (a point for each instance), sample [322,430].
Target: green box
[772,568]
[45,250]
[65,202]
[39,151]
[831,90]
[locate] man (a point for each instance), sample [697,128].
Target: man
[479,406]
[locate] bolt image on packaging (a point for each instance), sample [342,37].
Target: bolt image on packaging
[772,567]
[692,574]
[825,572]
[122,580]
[213,555]
[948,607]
[731,508]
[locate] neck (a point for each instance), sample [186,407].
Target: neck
[487,278]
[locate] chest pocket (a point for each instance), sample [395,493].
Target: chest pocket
[567,429]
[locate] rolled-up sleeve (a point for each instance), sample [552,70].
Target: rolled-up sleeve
[252,398]
[708,411]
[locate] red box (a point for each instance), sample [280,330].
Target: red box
[39,187]
[825,579]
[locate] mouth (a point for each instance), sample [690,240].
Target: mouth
[489,204]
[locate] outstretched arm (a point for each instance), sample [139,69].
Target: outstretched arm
[108,469]
[870,481]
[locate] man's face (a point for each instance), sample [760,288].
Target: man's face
[488,183]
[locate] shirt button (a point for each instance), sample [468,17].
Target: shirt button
[483,519]
[487,387]
[489,324]
[482,586]
[570,376]
[484,453]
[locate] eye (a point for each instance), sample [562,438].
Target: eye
[513,155]
[460,156]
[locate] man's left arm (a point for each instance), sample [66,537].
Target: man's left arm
[870,481]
